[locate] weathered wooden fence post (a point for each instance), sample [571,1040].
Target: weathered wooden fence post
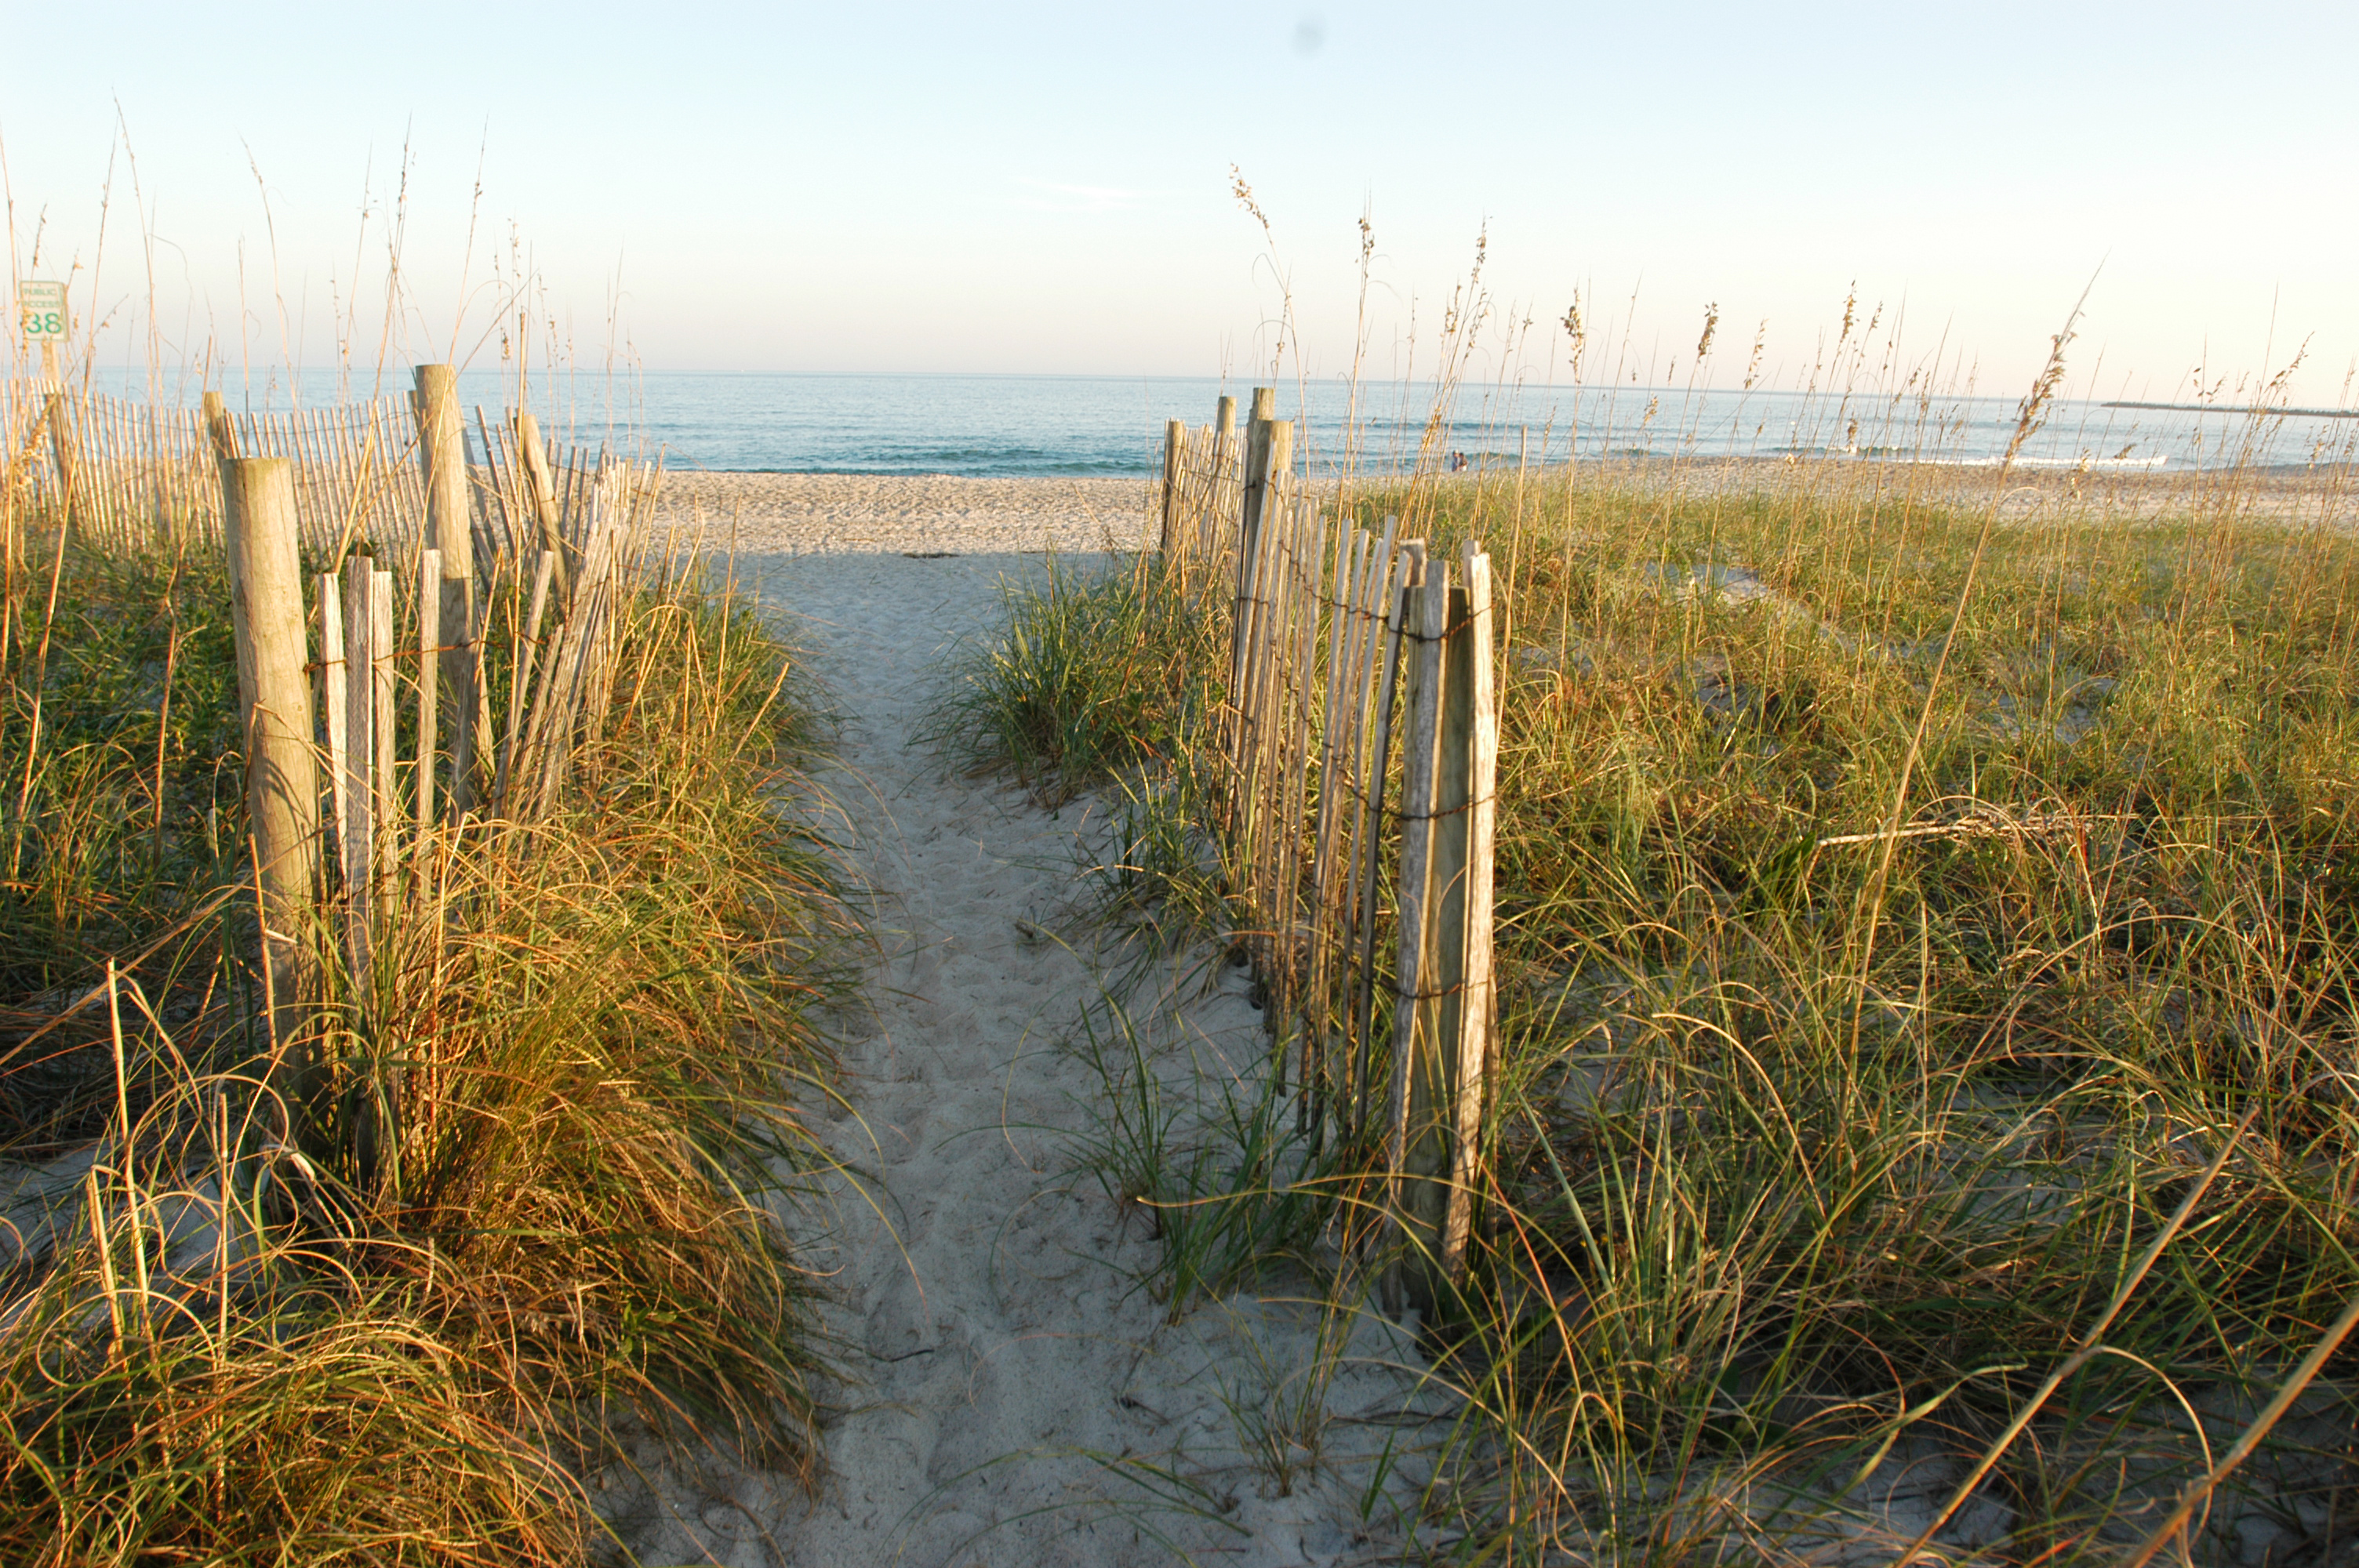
[1224,422]
[275,699]
[1175,439]
[443,459]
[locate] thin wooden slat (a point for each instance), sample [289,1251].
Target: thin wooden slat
[385,852]
[580,475]
[329,610]
[1256,580]
[429,612]
[1286,795]
[486,506]
[540,494]
[347,456]
[356,772]
[540,723]
[397,496]
[613,503]
[646,481]
[1276,751]
[181,441]
[134,485]
[1379,642]
[1306,555]
[1269,740]
[1287,726]
[1252,722]
[1423,700]
[1247,562]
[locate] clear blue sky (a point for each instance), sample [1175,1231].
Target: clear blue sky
[1046,189]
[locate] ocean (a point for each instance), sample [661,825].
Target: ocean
[1018,425]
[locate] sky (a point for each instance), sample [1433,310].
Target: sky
[1048,190]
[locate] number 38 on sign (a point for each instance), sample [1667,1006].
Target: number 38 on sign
[41,309]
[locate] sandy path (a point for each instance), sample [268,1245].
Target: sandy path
[1019,1382]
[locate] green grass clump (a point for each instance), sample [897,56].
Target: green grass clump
[530,1203]
[1096,672]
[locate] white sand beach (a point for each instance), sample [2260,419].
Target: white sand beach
[806,514]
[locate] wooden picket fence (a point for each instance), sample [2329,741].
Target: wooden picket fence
[1203,496]
[133,475]
[1347,645]
[562,648]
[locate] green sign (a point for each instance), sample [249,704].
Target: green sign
[42,309]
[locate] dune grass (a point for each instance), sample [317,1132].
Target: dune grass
[1903,911]
[531,1203]
[1095,674]
[1866,1027]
